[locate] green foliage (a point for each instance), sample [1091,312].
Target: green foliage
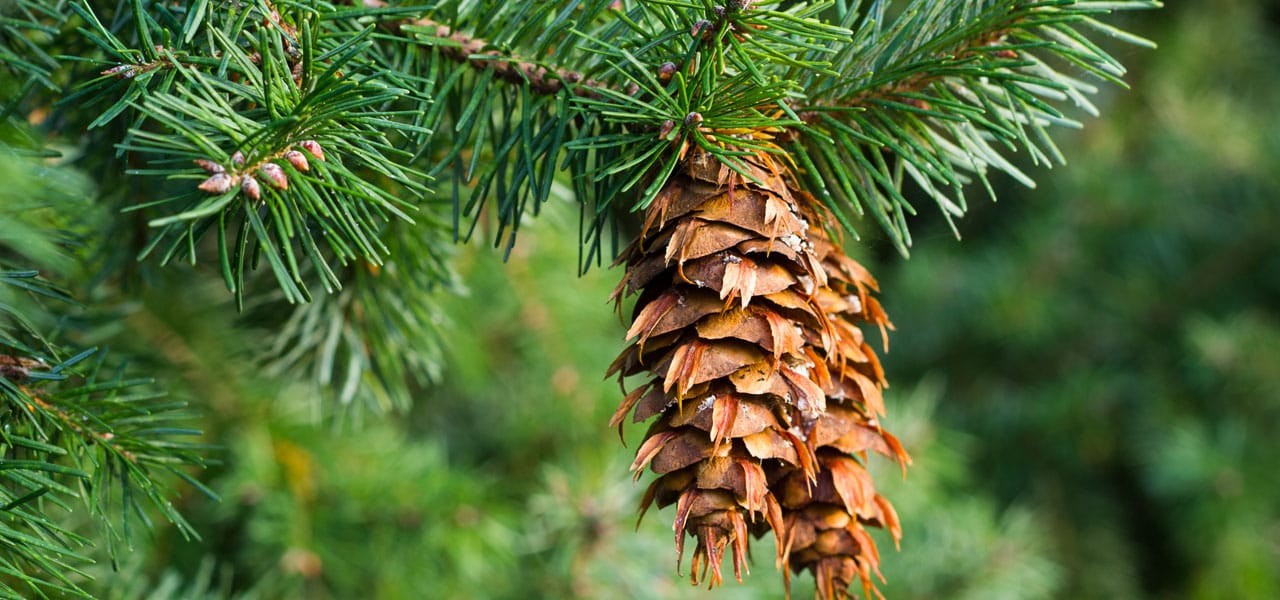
[301,136]
[377,339]
[243,88]
[614,96]
[22,25]
[939,93]
[78,429]
[1113,337]
[493,483]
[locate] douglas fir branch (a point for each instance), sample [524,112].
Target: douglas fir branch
[321,154]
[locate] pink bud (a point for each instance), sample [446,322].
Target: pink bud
[665,71]
[312,147]
[209,166]
[298,160]
[250,187]
[219,183]
[275,176]
[701,28]
[667,126]
[238,158]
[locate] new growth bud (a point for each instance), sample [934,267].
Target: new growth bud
[313,148]
[298,160]
[701,29]
[250,187]
[666,71]
[275,176]
[667,127]
[209,166]
[219,183]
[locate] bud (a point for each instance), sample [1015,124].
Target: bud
[275,176]
[250,187]
[219,183]
[693,119]
[701,28]
[313,148]
[666,71]
[298,160]
[237,158]
[209,166]
[667,126]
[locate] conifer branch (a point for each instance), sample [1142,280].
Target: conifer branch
[473,52]
[77,428]
[92,436]
[934,85]
[939,96]
[378,338]
[904,91]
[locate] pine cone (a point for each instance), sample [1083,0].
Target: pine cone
[745,342]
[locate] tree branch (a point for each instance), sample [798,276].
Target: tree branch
[545,80]
[898,90]
[471,51]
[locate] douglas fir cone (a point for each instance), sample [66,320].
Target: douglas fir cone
[765,392]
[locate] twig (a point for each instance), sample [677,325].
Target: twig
[471,51]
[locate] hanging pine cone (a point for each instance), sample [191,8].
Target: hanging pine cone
[746,345]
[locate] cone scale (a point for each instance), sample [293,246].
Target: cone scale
[763,393]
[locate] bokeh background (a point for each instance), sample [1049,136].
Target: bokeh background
[1089,383]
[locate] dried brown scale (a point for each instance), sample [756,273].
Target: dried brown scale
[762,387]
[131,70]
[18,368]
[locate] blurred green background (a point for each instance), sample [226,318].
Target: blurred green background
[1089,383]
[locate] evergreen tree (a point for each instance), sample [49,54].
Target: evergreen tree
[287,151]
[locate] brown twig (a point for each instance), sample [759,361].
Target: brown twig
[542,80]
[471,51]
[546,80]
